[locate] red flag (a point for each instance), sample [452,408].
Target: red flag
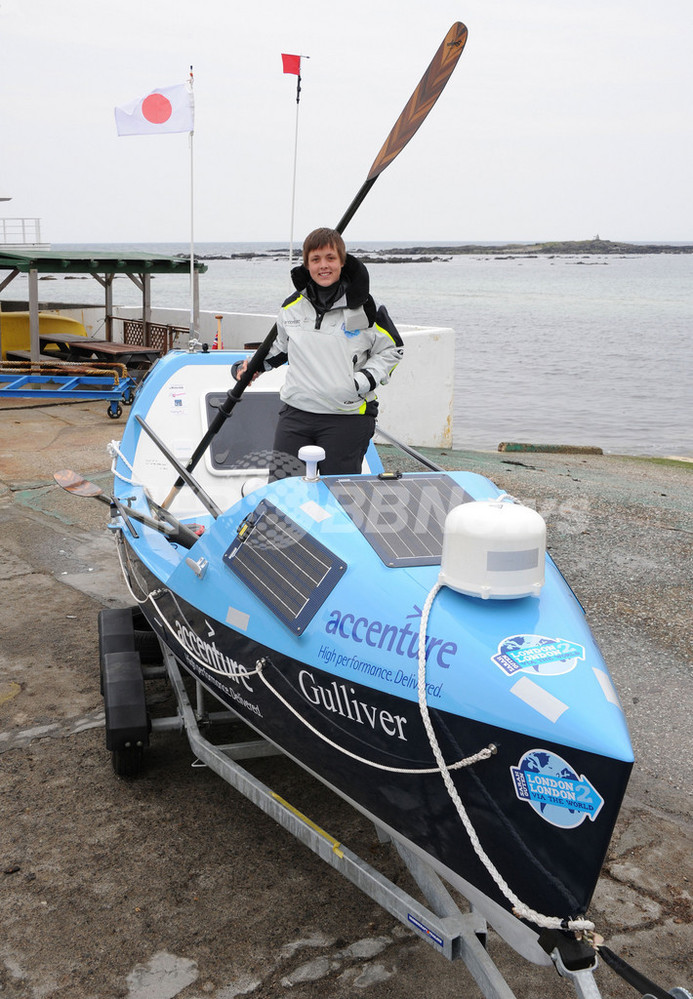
[291,64]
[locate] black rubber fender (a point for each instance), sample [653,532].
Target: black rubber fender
[116,633]
[127,721]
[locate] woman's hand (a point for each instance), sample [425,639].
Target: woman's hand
[240,369]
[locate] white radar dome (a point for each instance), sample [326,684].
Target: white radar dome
[494,549]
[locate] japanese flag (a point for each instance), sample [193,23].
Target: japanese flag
[168,109]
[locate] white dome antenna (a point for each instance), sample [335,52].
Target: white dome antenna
[311,454]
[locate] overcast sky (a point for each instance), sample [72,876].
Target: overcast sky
[563,119]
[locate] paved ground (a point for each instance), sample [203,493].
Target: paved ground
[174,885]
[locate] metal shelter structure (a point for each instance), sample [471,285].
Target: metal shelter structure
[139,267]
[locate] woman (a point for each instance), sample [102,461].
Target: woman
[339,346]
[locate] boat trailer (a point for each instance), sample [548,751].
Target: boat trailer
[439,921]
[55,380]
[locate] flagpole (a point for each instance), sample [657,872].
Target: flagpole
[192,228]
[293,186]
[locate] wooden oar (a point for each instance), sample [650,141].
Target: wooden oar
[75,484]
[174,530]
[412,117]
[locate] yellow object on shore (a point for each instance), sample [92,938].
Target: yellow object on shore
[14,328]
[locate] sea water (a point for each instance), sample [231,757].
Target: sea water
[565,349]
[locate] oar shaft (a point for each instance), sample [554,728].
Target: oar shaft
[355,205]
[74,484]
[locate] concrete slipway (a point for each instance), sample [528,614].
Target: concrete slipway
[173,885]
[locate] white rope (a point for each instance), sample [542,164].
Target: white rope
[126,571]
[520,909]
[483,754]
[114,450]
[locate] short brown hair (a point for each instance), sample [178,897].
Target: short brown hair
[318,238]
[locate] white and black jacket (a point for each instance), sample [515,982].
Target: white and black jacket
[340,346]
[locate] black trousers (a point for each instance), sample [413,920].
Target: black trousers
[345,437]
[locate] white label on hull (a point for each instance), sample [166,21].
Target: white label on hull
[607,686]
[237,619]
[315,511]
[177,400]
[538,698]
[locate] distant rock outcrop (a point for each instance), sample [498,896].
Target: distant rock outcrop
[430,254]
[581,247]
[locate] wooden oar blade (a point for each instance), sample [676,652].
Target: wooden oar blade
[75,484]
[424,97]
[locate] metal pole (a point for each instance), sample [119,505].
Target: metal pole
[409,450]
[34,342]
[108,286]
[192,245]
[192,237]
[146,307]
[196,300]
[293,186]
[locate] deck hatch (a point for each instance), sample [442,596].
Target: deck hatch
[283,565]
[402,519]
[251,430]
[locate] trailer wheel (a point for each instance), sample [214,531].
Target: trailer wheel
[116,413]
[128,761]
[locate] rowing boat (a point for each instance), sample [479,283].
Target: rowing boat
[404,637]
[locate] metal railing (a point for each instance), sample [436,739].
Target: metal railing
[20,232]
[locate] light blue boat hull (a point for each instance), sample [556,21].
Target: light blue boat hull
[338,684]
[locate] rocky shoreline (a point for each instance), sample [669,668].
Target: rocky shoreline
[595,247]
[430,254]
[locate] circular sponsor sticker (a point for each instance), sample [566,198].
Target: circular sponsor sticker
[537,654]
[554,790]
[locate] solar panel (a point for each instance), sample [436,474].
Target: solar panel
[283,565]
[402,518]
